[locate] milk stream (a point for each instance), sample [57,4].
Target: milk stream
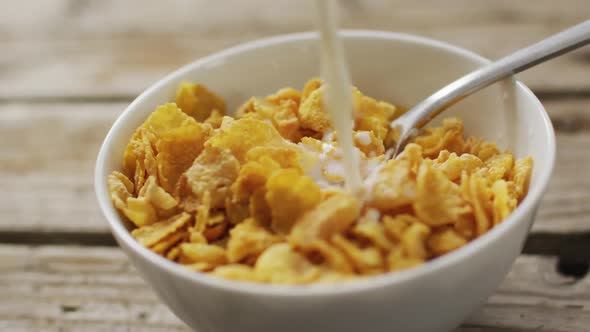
[338,93]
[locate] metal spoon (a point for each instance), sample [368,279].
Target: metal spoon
[560,43]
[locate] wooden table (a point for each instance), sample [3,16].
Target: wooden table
[68,68]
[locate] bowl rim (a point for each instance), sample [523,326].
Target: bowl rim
[126,241]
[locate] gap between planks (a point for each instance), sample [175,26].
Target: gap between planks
[86,288]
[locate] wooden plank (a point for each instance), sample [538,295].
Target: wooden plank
[96,289]
[47,165]
[48,153]
[566,204]
[117,48]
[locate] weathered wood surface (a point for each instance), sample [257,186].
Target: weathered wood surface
[48,154]
[96,289]
[63,48]
[69,67]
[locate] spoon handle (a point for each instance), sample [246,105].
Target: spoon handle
[560,43]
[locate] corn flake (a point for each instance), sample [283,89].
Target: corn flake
[413,241]
[248,240]
[478,193]
[373,231]
[253,176]
[395,226]
[480,148]
[444,241]
[167,243]
[191,253]
[453,166]
[310,86]
[395,186]
[139,159]
[178,139]
[289,195]
[282,265]
[259,208]
[176,152]
[332,257]
[215,119]
[330,217]
[502,203]
[284,156]
[285,94]
[140,211]
[198,102]
[200,266]
[413,154]
[239,136]
[438,200]
[365,260]
[397,260]
[372,115]
[236,211]
[161,200]
[173,253]
[499,166]
[236,272]
[311,112]
[216,228]
[120,189]
[213,172]
[281,113]
[154,233]
[521,176]
[448,137]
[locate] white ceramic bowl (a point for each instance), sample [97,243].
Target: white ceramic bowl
[399,68]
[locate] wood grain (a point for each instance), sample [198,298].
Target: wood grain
[61,48]
[48,154]
[47,165]
[96,289]
[68,68]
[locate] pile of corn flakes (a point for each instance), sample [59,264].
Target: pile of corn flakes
[258,197]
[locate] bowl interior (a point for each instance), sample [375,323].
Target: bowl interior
[398,68]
